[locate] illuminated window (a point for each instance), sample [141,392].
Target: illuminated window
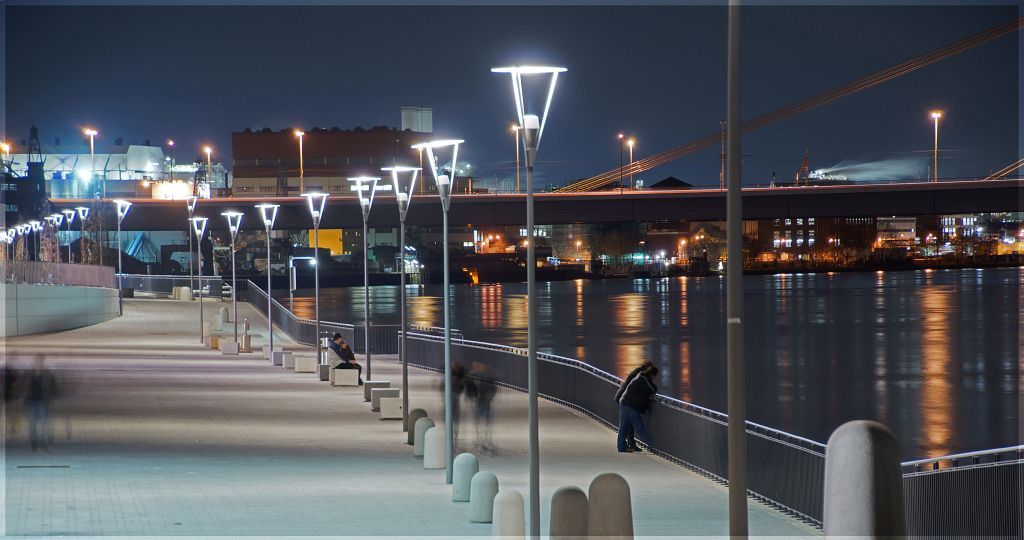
[799,221]
[810,221]
[789,221]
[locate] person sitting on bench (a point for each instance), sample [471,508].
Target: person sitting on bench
[346,359]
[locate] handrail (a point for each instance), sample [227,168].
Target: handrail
[975,458]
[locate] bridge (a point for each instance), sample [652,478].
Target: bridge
[909,199]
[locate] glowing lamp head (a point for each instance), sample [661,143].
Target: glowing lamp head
[207,149]
[299,134]
[6,148]
[936,115]
[83,212]
[630,143]
[91,132]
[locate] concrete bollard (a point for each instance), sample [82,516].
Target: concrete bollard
[225,315]
[175,291]
[186,294]
[569,513]
[434,456]
[482,490]
[464,467]
[609,513]
[420,428]
[414,415]
[863,482]
[218,323]
[509,519]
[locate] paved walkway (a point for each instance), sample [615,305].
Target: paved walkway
[156,435]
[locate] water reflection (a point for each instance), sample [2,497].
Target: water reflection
[935,356]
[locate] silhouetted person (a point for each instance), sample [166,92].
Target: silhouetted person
[630,440]
[634,401]
[458,387]
[40,391]
[482,387]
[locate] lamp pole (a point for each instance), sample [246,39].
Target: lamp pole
[444,190]
[630,143]
[515,127]
[199,226]
[122,210]
[190,203]
[721,157]
[209,171]
[92,156]
[302,170]
[234,224]
[936,115]
[170,149]
[620,164]
[533,129]
[316,209]
[69,215]
[403,193]
[83,212]
[269,214]
[365,204]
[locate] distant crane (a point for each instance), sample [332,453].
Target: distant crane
[804,169]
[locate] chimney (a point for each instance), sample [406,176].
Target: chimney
[147,142]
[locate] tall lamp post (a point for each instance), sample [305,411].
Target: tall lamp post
[444,190]
[404,187]
[365,204]
[302,169]
[69,215]
[209,170]
[234,223]
[122,210]
[268,212]
[630,143]
[620,163]
[515,127]
[83,212]
[92,157]
[199,227]
[190,203]
[316,209]
[935,175]
[533,129]
[36,227]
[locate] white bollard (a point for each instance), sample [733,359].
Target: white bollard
[206,329]
[434,449]
[218,323]
[610,513]
[463,468]
[569,513]
[509,519]
[175,292]
[482,490]
[420,428]
[414,415]
[225,315]
[186,294]
[863,482]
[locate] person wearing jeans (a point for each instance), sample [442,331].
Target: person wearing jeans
[634,401]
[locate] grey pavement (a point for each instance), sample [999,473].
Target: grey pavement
[157,435]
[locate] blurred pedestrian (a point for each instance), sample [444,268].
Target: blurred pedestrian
[630,440]
[458,387]
[40,391]
[12,409]
[482,387]
[634,401]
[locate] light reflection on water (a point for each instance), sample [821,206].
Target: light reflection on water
[933,355]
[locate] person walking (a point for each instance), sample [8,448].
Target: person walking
[630,440]
[632,404]
[483,388]
[346,358]
[40,391]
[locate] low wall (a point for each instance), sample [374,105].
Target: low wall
[35,309]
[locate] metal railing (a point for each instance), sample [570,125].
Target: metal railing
[55,273]
[213,286]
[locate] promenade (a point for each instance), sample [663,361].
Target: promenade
[157,435]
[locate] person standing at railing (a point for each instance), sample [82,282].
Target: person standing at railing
[634,401]
[630,440]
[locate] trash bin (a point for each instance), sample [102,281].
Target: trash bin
[245,343]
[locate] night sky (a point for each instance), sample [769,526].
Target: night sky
[195,74]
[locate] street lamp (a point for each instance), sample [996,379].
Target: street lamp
[92,157]
[7,153]
[365,204]
[936,115]
[170,149]
[69,214]
[122,210]
[316,209]
[269,214]
[403,193]
[533,129]
[515,127]
[578,244]
[630,143]
[234,223]
[83,212]
[199,227]
[190,203]
[302,170]
[209,172]
[444,190]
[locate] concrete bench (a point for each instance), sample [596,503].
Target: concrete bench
[280,356]
[368,387]
[289,361]
[378,393]
[228,347]
[305,364]
[391,408]
[267,351]
[212,341]
[344,377]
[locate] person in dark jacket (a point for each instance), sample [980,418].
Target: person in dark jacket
[341,348]
[632,404]
[630,440]
[40,391]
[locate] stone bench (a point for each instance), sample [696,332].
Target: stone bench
[267,351]
[368,387]
[212,341]
[344,377]
[377,393]
[228,347]
[305,364]
[391,408]
[280,357]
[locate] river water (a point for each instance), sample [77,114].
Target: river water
[934,355]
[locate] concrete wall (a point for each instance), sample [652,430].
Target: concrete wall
[35,309]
